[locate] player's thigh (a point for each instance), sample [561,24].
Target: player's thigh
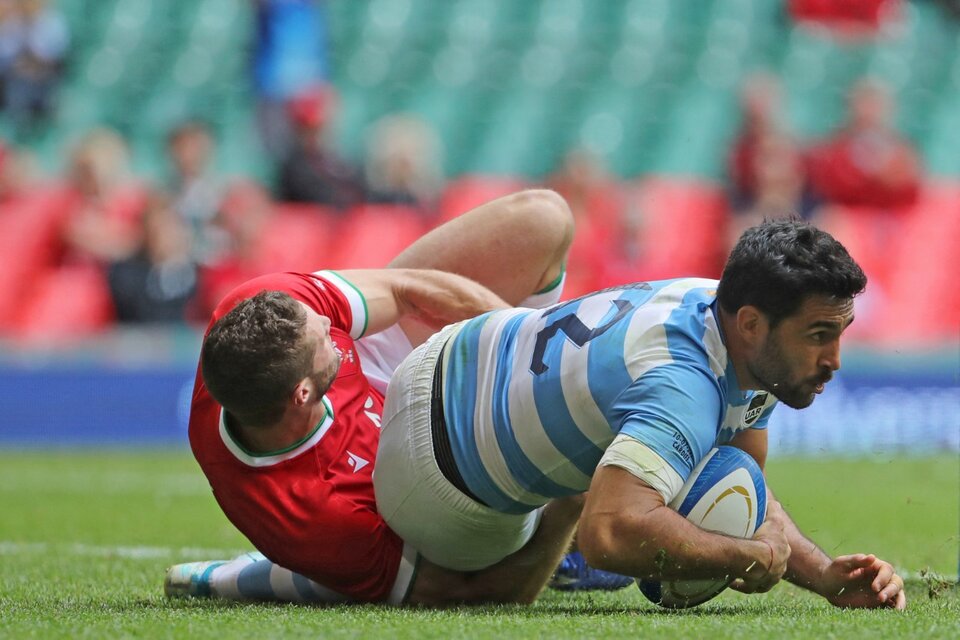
[515,245]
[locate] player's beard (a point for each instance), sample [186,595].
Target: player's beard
[324,378]
[771,369]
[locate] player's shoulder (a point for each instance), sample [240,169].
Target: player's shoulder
[679,317]
[686,291]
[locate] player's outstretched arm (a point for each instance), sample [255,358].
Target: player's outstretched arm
[627,528]
[851,581]
[857,580]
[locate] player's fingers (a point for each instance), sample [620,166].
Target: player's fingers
[884,577]
[855,561]
[856,573]
[900,602]
[889,592]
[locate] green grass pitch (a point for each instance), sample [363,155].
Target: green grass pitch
[85,538]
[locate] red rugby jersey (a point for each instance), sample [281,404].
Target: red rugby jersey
[310,507]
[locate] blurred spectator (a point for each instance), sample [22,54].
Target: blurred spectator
[16,175]
[196,191]
[313,172]
[762,117]
[866,162]
[246,208]
[9,42]
[157,282]
[101,203]
[604,244]
[767,168]
[33,45]
[779,185]
[847,18]
[404,162]
[950,7]
[290,56]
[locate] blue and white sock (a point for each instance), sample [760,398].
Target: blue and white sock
[253,577]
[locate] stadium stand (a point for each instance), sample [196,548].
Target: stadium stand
[649,85]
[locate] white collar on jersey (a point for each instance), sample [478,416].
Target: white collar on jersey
[275,457]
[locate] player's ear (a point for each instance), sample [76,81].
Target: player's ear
[751,324]
[302,392]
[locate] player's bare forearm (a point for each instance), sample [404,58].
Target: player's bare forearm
[850,581]
[807,561]
[664,545]
[439,298]
[626,528]
[436,298]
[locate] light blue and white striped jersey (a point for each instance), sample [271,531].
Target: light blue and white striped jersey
[532,398]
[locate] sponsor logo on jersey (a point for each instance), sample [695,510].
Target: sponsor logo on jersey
[345,356]
[752,414]
[370,413]
[682,447]
[356,461]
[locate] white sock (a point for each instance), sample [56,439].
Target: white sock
[546,297]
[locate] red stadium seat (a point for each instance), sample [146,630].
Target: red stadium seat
[681,228]
[867,234]
[372,235]
[923,302]
[470,191]
[65,304]
[297,237]
[29,243]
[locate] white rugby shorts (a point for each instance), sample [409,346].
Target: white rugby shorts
[444,525]
[381,353]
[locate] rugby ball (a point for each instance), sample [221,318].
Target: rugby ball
[725,493]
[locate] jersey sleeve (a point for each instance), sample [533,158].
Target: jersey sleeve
[764,418]
[326,292]
[639,460]
[674,410]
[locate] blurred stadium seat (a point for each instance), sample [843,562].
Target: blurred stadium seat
[64,305]
[682,228]
[29,240]
[467,192]
[370,236]
[648,85]
[924,298]
[297,237]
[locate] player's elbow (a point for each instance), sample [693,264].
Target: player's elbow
[598,542]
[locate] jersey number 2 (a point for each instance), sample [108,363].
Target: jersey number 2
[575,331]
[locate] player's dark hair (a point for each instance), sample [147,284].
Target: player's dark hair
[777,264]
[255,355]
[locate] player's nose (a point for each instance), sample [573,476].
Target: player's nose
[830,356]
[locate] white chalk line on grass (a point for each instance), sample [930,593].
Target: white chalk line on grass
[10,548]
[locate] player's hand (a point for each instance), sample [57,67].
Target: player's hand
[862,581]
[771,564]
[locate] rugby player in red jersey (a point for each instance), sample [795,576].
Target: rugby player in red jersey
[286,411]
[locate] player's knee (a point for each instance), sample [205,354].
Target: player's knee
[548,212]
